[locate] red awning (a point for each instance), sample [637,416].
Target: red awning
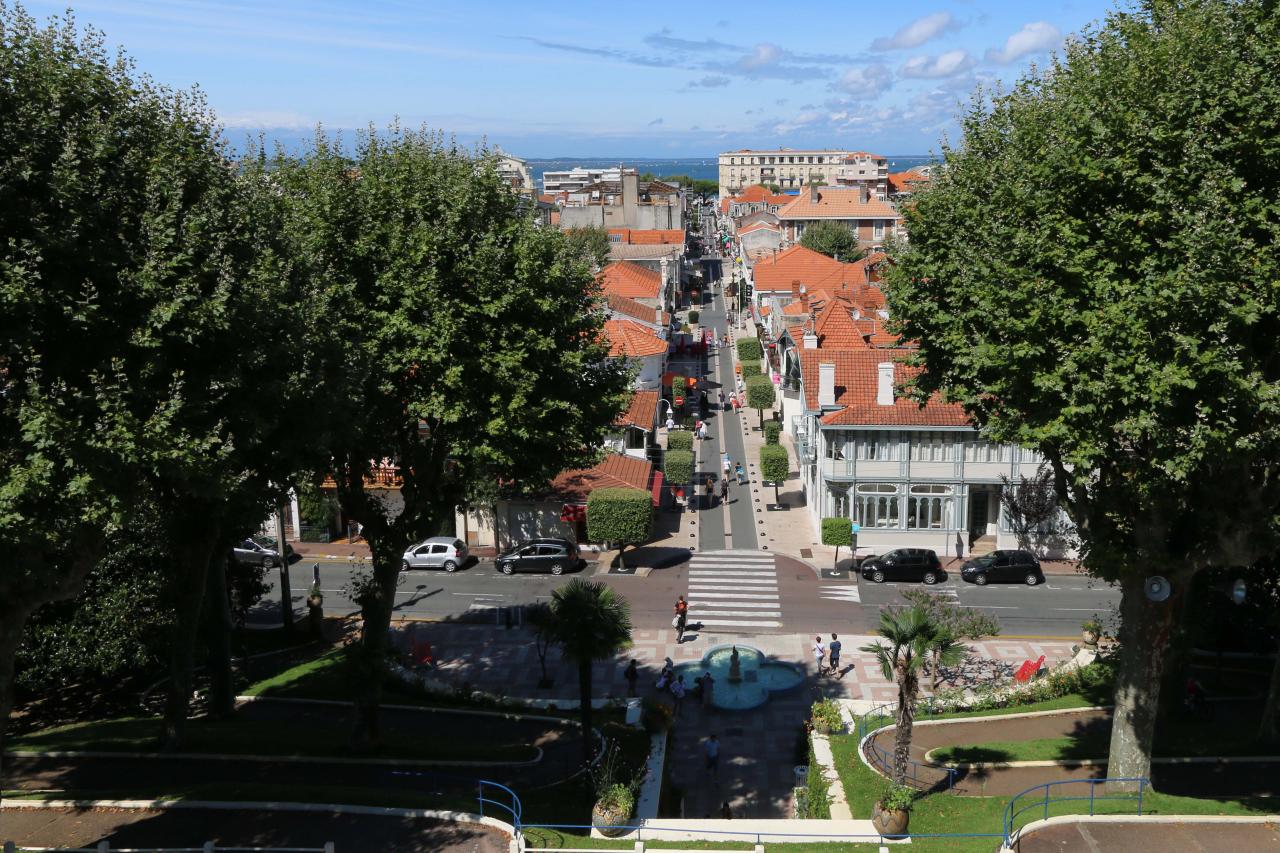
[573,512]
[656,490]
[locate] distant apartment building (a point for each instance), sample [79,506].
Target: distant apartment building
[515,172]
[869,218]
[625,203]
[572,180]
[789,168]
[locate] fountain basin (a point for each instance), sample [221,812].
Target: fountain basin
[761,676]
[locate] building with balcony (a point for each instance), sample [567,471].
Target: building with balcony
[789,168]
[870,219]
[909,476]
[572,180]
[628,203]
[515,172]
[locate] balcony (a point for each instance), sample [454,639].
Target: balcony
[837,468]
[381,477]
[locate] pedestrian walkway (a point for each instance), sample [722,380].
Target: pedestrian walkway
[734,592]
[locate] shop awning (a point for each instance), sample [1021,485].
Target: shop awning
[656,491]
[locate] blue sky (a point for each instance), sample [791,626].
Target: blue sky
[543,79]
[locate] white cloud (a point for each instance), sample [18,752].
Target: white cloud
[948,64]
[867,83]
[918,32]
[761,55]
[273,119]
[798,121]
[1036,37]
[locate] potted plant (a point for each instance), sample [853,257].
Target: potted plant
[824,717]
[611,814]
[1090,631]
[893,810]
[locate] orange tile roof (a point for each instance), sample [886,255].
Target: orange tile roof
[758,193]
[836,328]
[616,471]
[837,202]
[623,278]
[756,226]
[548,198]
[857,375]
[638,310]
[642,412]
[649,237]
[907,181]
[794,264]
[633,340]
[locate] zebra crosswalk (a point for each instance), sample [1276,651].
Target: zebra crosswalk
[734,592]
[841,592]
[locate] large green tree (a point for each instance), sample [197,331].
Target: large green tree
[832,239]
[470,345]
[1094,274]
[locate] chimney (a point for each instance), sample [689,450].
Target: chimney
[665,271]
[795,289]
[826,385]
[804,299]
[630,189]
[884,383]
[813,194]
[811,340]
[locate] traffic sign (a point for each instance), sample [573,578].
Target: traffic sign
[855,527]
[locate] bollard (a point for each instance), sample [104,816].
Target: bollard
[10,847]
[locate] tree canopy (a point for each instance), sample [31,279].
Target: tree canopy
[833,240]
[1094,274]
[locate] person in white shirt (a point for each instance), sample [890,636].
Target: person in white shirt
[819,652]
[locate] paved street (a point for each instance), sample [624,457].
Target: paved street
[749,592]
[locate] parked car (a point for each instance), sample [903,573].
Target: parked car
[438,552]
[541,555]
[1003,567]
[904,564]
[259,551]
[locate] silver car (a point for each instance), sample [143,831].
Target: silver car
[438,552]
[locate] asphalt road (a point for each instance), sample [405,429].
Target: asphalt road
[478,593]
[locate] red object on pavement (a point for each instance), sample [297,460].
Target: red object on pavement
[422,654]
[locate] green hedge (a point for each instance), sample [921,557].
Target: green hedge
[817,800]
[772,431]
[837,532]
[677,467]
[760,392]
[749,349]
[775,463]
[680,440]
[750,368]
[619,515]
[694,315]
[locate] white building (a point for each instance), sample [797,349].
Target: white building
[792,168]
[514,171]
[574,179]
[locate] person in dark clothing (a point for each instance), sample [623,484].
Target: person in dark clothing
[631,674]
[724,490]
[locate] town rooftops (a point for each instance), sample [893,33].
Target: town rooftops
[630,339]
[836,203]
[908,181]
[623,278]
[647,236]
[642,412]
[857,387]
[637,310]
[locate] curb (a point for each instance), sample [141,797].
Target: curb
[1034,825]
[1102,762]
[517,715]
[267,759]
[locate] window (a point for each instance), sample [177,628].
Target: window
[837,445]
[439,549]
[877,446]
[929,507]
[636,438]
[932,447]
[550,550]
[876,505]
[981,450]
[878,232]
[1027,455]
[837,502]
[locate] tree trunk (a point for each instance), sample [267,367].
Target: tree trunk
[192,554]
[1144,638]
[584,709]
[621,547]
[836,566]
[908,686]
[216,614]
[375,610]
[12,621]
[1269,731]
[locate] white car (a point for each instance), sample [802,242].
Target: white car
[438,552]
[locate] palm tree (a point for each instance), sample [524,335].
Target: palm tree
[946,650]
[591,623]
[909,634]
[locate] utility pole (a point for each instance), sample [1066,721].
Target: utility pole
[286,594]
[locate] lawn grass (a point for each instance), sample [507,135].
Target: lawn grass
[259,737]
[322,677]
[949,813]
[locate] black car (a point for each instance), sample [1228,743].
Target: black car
[1003,567]
[540,555]
[903,564]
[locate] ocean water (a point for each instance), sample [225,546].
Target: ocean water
[706,168]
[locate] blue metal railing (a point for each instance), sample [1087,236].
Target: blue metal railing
[1013,811]
[918,774]
[509,804]
[750,836]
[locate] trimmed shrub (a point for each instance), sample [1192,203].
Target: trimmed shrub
[694,315]
[775,465]
[772,431]
[749,349]
[749,369]
[837,532]
[624,516]
[760,394]
[677,467]
[824,717]
[680,440]
[817,801]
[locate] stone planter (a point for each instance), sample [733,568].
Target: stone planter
[889,822]
[1090,638]
[610,823]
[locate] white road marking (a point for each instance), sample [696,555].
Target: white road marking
[699,604]
[704,594]
[841,593]
[733,581]
[731,623]
[754,613]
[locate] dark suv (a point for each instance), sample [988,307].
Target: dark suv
[904,564]
[540,555]
[1003,567]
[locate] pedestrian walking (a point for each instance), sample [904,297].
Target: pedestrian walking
[959,546]
[677,695]
[682,619]
[725,408]
[726,463]
[819,653]
[833,654]
[681,605]
[711,491]
[631,674]
[724,488]
[671,422]
[711,748]
[742,475]
[708,687]
[702,403]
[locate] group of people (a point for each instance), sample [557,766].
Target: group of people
[827,656]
